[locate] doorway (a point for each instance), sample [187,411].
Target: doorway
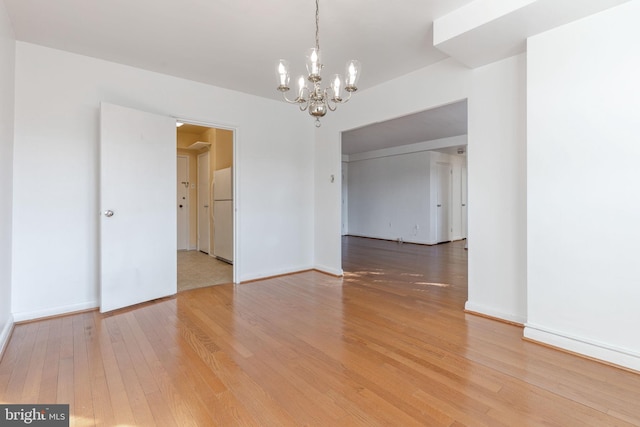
[404,180]
[208,150]
[443,202]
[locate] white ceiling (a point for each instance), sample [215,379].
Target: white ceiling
[235,44]
[437,123]
[193,129]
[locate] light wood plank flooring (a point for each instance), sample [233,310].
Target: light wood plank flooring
[388,344]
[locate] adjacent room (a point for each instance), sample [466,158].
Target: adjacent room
[405,181]
[204,206]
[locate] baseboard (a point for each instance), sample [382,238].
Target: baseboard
[5,334]
[274,273]
[490,312]
[389,239]
[607,353]
[328,270]
[54,311]
[497,319]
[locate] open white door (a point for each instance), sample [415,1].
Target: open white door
[137,203]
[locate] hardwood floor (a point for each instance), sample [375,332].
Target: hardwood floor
[389,344]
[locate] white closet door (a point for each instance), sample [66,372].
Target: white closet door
[443,202]
[204,202]
[182,202]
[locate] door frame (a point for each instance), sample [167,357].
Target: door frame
[464,213]
[235,187]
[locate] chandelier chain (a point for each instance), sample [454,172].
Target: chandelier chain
[317,25]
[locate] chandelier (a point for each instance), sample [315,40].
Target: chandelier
[314,98]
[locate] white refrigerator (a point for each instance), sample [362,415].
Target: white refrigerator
[223,215]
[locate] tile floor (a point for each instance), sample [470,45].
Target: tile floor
[197,270]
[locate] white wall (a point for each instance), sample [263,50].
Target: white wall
[389,197]
[392,192]
[55,257]
[345,196]
[497,190]
[496,144]
[583,204]
[7,66]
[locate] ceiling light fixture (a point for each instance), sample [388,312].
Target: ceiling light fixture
[315,99]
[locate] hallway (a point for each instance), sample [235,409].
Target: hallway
[197,270]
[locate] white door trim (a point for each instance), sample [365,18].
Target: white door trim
[237,192]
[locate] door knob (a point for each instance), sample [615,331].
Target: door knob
[180,205]
[439,206]
[108,213]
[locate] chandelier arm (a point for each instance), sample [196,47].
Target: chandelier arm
[332,104]
[295,101]
[345,100]
[303,105]
[300,99]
